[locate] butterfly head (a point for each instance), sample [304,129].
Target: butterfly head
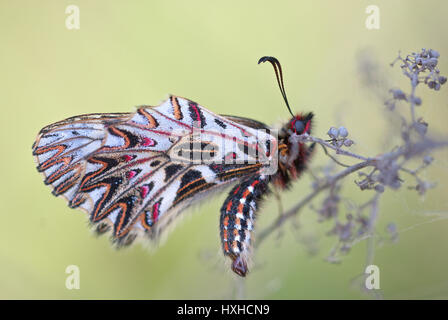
[301,123]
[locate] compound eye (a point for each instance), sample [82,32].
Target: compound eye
[299,126]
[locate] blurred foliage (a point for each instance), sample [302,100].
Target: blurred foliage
[132,53]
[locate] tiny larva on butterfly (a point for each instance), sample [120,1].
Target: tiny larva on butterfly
[133,173]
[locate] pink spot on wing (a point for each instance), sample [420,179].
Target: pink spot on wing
[155,211]
[144,191]
[131,174]
[147,142]
[198,117]
[127,158]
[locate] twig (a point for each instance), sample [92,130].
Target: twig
[295,209]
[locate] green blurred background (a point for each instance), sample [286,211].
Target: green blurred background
[136,52]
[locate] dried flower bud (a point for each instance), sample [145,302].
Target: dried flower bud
[398,94]
[433,53]
[342,132]
[333,132]
[348,142]
[421,127]
[379,188]
[428,160]
[442,79]
[432,62]
[417,101]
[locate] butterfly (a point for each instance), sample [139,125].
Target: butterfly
[135,173]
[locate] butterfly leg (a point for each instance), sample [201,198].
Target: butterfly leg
[237,221]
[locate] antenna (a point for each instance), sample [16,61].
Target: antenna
[278,73]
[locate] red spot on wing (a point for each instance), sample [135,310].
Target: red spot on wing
[144,191]
[131,174]
[198,117]
[147,142]
[127,158]
[155,211]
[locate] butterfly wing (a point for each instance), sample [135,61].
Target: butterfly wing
[135,172]
[247,122]
[61,149]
